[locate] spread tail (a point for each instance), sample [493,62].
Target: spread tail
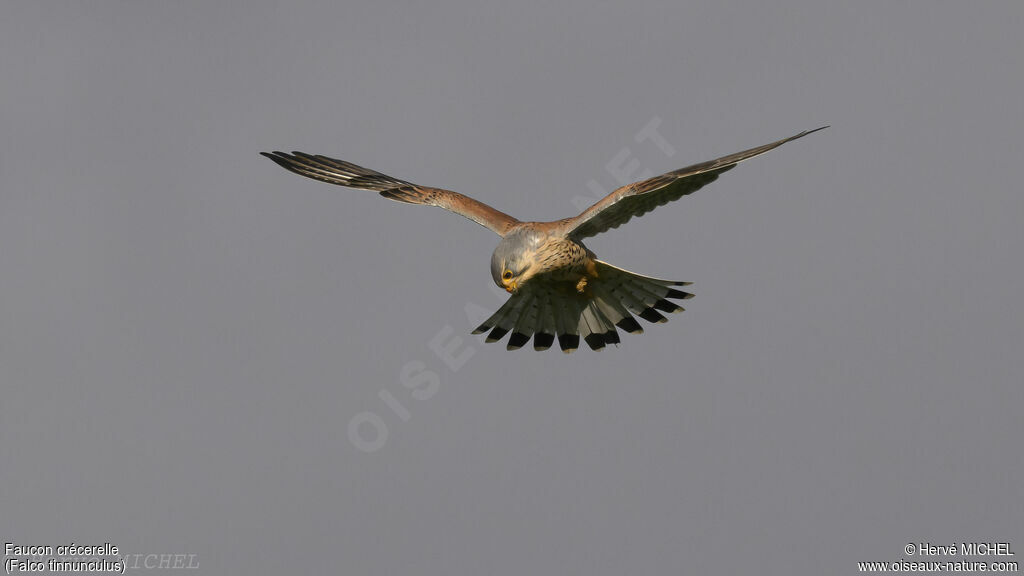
[546,310]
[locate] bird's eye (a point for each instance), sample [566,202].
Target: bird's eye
[507,275]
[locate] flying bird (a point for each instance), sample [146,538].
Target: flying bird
[559,289]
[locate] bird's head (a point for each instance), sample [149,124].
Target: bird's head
[512,262]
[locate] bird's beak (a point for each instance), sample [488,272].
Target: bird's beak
[511,287]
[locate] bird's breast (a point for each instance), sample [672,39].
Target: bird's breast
[563,259]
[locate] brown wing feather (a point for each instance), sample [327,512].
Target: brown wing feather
[349,175]
[639,198]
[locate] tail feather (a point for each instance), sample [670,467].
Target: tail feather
[546,311]
[608,332]
[504,319]
[629,324]
[643,295]
[623,294]
[567,315]
[590,330]
[546,331]
[526,323]
[610,307]
[594,327]
[490,322]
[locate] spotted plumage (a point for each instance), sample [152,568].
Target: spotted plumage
[560,290]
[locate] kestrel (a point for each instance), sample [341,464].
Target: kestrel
[558,286]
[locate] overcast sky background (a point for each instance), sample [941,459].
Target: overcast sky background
[187,331]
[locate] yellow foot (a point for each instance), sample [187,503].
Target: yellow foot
[581,285]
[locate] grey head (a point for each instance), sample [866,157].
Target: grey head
[512,258]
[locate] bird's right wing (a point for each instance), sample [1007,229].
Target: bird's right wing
[349,175]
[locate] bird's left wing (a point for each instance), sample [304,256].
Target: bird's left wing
[349,175]
[639,198]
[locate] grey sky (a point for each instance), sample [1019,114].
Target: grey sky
[187,331]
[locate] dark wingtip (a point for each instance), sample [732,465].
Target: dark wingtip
[666,306]
[651,316]
[289,163]
[516,340]
[481,329]
[678,294]
[496,334]
[568,342]
[279,158]
[630,325]
[543,341]
[612,337]
[594,340]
